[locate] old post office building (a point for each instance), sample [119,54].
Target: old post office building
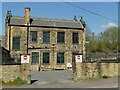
[50,42]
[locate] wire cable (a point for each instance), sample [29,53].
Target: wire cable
[91,12]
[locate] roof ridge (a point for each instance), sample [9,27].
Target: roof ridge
[46,19]
[51,18]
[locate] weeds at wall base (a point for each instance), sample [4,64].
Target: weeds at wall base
[17,82]
[104,76]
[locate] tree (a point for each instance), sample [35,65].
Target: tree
[92,43]
[110,39]
[99,43]
[105,42]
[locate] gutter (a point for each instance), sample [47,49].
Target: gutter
[47,27]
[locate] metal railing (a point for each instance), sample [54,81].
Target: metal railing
[101,57]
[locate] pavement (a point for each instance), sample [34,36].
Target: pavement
[63,79]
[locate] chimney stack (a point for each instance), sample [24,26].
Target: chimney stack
[83,22]
[27,15]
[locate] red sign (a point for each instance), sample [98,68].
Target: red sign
[25,57]
[78,57]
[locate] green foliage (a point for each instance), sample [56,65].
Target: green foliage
[104,76]
[18,81]
[92,46]
[110,37]
[104,42]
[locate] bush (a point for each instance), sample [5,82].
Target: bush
[104,76]
[18,81]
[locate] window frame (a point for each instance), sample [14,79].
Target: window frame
[44,39]
[44,59]
[62,39]
[74,38]
[35,57]
[32,41]
[60,61]
[13,43]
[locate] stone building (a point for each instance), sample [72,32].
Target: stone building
[51,43]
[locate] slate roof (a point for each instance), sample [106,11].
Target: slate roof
[17,20]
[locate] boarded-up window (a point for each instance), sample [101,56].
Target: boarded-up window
[16,43]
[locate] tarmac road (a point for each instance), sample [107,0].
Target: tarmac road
[63,79]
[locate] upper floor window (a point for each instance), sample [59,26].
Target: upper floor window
[60,57]
[46,57]
[16,43]
[46,37]
[60,37]
[75,38]
[33,36]
[35,57]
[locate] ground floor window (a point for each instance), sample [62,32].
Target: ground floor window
[35,57]
[46,57]
[60,57]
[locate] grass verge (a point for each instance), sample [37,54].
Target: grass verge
[17,82]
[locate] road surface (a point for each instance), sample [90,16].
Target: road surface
[63,79]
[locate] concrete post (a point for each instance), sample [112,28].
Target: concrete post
[29,79]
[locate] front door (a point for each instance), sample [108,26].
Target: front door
[35,61]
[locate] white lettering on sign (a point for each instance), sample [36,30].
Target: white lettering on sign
[78,58]
[25,58]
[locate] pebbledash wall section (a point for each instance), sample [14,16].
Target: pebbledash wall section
[95,70]
[11,72]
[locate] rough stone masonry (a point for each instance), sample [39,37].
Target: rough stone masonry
[50,42]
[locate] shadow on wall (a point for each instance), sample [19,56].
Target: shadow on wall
[6,58]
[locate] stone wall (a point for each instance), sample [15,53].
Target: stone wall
[97,70]
[11,72]
[110,69]
[5,55]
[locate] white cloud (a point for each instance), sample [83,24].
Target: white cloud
[109,25]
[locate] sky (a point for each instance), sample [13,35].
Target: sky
[62,10]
